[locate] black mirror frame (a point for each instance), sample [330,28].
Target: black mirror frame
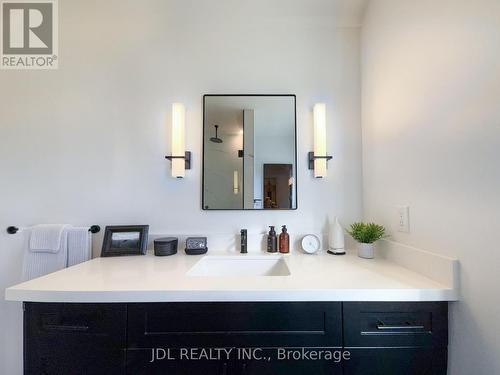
[203,157]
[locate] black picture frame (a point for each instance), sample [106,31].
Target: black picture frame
[122,240]
[205,208]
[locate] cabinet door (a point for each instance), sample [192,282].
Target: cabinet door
[140,362]
[62,361]
[270,363]
[265,362]
[396,361]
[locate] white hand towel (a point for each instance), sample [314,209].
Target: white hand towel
[79,245]
[46,238]
[38,262]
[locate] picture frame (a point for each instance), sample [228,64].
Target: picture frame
[122,240]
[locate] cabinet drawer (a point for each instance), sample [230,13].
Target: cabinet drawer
[234,324]
[388,324]
[76,324]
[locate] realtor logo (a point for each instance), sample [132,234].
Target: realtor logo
[29,34]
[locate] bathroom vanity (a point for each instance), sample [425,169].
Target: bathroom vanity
[236,338]
[152,315]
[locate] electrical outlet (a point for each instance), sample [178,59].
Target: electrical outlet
[404,219]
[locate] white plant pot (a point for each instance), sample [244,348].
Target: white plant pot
[365,250]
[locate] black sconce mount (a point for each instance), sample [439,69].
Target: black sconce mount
[186,157]
[312,157]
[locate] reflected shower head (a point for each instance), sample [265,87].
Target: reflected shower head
[216,139]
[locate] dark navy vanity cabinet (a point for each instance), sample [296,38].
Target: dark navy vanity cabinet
[236,338]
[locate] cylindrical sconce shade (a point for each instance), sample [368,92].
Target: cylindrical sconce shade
[236,185]
[178,139]
[320,139]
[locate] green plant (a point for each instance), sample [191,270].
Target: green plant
[366,232]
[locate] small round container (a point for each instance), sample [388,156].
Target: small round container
[166,246]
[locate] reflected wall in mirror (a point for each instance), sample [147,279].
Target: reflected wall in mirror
[249,152]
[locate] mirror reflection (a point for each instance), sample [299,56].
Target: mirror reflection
[249,152]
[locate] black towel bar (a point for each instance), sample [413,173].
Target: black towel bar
[92,229]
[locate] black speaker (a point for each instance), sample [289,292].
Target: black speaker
[166,246]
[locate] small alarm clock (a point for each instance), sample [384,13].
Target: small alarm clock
[310,244]
[196,245]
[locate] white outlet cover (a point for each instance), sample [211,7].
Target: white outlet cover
[403,219]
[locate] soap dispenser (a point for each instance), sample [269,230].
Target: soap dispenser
[284,241]
[336,238]
[272,240]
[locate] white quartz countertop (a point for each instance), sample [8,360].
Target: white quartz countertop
[320,277]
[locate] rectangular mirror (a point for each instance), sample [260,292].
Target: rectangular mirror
[249,152]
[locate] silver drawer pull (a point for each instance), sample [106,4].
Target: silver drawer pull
[381,326]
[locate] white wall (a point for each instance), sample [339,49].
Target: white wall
[85,144]
[431,139]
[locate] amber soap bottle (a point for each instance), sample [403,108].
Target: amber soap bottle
[284,241]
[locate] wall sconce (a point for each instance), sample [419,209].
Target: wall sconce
[319,158]
[236,184]
[180,158]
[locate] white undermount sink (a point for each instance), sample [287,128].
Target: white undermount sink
[240,266]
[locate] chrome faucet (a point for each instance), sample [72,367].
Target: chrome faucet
[243,241]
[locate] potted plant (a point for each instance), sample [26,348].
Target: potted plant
[366,234]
